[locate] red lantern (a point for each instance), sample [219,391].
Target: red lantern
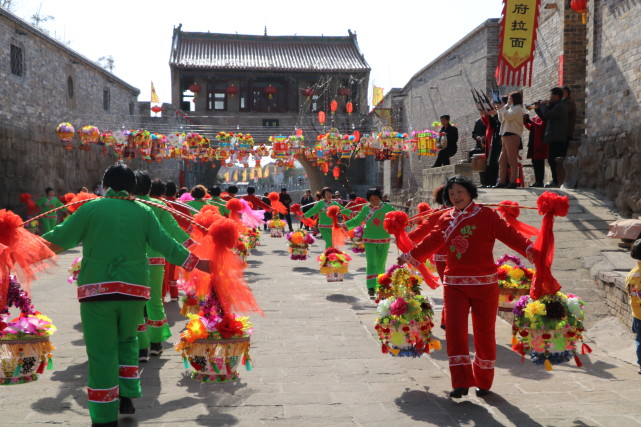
[156,109]
[308,92]
[195,88]
[580,6]
[357,136]
[333,106]
[299,132]
[344,91]
[349,107]
[270,91]
[321,117]
[231,90]
[336,172]
[325,168]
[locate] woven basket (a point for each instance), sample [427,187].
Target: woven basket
[22,360]
[509,296]
[403,343]
[216,360]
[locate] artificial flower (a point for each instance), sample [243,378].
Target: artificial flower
[229,327]
[534,308]
[383,308]
[516,274]
[399,307]
[574,306]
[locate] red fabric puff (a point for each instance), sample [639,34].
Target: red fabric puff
[295,209]
[79,200]
[510,211]
[360,201]
[338,235]
[234,206]
[274,198]
[423,207]
[32,208]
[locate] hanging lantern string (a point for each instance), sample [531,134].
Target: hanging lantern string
[133,199]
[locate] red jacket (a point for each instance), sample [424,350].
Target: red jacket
[538,150]
[423,229]
[256,203]
[468,237]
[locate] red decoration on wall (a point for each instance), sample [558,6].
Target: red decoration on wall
[336,172]
[270,91]
[580,6]
[232,90]
[308,92]
[561,65]
[349,107]
[156,109]
[344,91]
[321,117]
[333,106]
[195,88]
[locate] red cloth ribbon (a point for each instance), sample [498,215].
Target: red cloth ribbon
[511,213]
[338,235]
[274,198]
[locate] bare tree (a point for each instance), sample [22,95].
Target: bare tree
[6,4]
[107,62]
[38,19]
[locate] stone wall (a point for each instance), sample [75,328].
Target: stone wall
[615,295]
[55,85]
[611,146]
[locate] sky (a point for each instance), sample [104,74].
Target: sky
[397,38]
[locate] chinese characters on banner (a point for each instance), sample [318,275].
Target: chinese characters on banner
[519,22]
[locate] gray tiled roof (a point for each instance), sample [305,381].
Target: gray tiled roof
[274,53]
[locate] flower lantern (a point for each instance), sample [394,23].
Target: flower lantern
[344,91]
[156,109]
[270,91]
[88,135]
[195,88]
[580,6]
[333,106]
[308,92]
[232,90]
[321,117]
[280,149]
[65,133]
[349,108]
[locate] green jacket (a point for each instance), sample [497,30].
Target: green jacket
[168,223]
[45,204]
[373,218]
[217,201]
[115,234]
[321,207]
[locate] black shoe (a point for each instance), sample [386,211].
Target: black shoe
[111,424]
[537,185]
[511,185]
[499,185]
[551,184]
[127,406]
[481,392]
[143,355]
[371,292]
[443,326]
[156,349]
[458,392]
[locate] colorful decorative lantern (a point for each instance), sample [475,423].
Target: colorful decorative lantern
[270,91]
[580,6]
[195,88]
[65,133]
[349,108]
[307,92]
[232,90]
[321,117]
[88,135]
[156,109]
[344,91]
[333,106]
[280,149]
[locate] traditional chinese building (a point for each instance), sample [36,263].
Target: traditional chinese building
[271,85]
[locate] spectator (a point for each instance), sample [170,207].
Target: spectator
[633,285]
[537,150]
[268,214]
[448,140]
[306,203]
[286,200]
[493,147]
[511,117]
[255,202]
[478,134]
[232,190]
[553,111]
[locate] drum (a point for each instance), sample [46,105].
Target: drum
[479,163]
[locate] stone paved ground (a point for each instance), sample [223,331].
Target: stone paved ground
[316,361]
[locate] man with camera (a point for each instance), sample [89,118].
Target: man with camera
[553,111]
[447,141]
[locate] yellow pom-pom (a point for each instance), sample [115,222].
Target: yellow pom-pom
[515,341]
[548,365]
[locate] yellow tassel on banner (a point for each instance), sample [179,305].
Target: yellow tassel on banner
[548,365]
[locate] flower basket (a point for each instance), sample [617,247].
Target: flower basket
[404,322]
[549,329]
[514,281]
[216,359]
[252,238]
[25,349]
[276,232]
[356,242]
[334,263]
[299,242]
[191,305]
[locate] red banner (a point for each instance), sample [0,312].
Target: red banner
[519,23]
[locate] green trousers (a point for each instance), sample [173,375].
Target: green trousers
[326,234]
[376,256]
[48,224]
[156,329]
[109,329]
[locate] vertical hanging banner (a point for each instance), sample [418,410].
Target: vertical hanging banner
[519,23]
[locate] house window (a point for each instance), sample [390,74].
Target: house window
[106,99]
[217,96]
[270,123]
[17,61]
[70,87]
[131,108]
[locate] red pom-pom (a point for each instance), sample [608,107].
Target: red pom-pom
[207,215]
[9,224]
[295,209]
[234,205]
[423,207]
[273,196]
[395,222]
[224,232]
[67,198]
[509,208]
[550,202]
[333,211]
[80,197]
[24,197]
[360,201]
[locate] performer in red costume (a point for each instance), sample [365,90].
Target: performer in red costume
[469,231]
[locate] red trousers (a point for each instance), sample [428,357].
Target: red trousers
[440,268]
[169,282]
[483,301]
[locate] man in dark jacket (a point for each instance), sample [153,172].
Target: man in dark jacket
[286,200]
[555,114]
[451,136]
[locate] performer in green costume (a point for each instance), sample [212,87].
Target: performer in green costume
[153,332]
[215,200]
[113,287]
[325,222]
[375,238]
[46,203]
